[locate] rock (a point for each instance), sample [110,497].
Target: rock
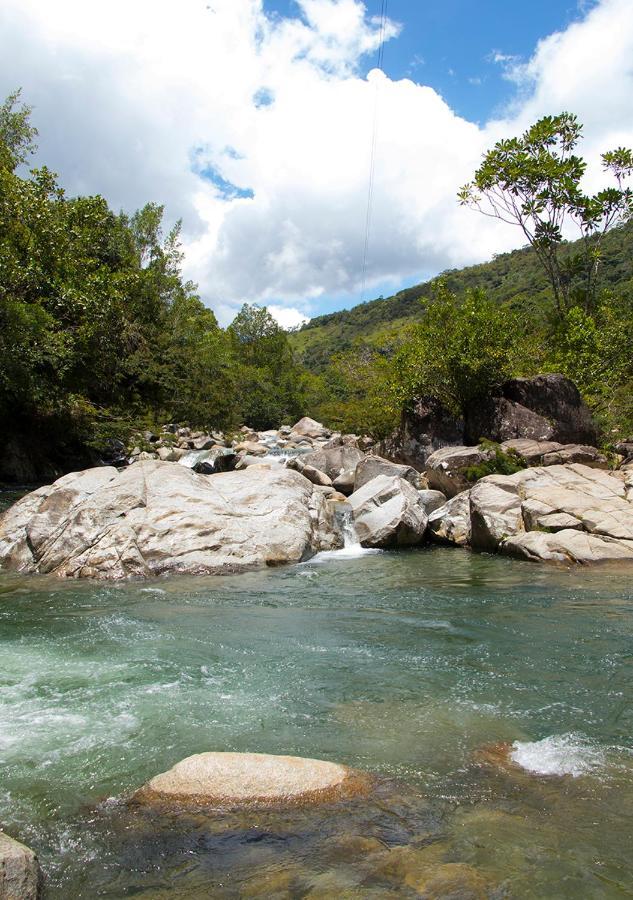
[506,510]
[450,524]
[254,779]
[253,448]
[388,513]
[202,443]
[315,476]
[144,454]
[543,408]
[532,452]
[422,430]
[371,466]
[495,511]
[155,517]
[219,459]
[334,461]
[576,453]
[308,427]
[567,546]
[20,876]
[431,500]
[345,482]
[171,454]
[446,468]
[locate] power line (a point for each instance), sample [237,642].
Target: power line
[372,153]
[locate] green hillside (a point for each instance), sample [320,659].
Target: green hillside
[508,276]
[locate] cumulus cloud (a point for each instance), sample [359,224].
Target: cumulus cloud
[256,130]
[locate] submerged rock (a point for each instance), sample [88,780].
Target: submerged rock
[388,513]
[156,517]
[20,877]
[254,779]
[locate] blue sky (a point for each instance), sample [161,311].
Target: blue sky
[451,44]
[251,121]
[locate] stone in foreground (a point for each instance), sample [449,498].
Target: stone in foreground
[20,877]
[156,518]
[254,779]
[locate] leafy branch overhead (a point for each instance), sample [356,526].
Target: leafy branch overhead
[535,181]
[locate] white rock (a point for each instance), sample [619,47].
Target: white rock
[388,513]
[247,779]
[451,523]
[20,877]
[155,517]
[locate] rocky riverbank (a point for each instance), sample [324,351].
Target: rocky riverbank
[210,503]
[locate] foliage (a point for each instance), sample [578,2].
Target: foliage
[100,334]
[534,181]
[460,352]
[501,463]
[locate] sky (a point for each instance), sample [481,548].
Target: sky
[253,121]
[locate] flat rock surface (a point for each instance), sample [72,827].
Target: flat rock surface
[157,517]
[254,778]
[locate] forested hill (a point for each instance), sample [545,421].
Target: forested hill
[517,275]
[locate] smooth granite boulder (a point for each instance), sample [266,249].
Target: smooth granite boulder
[155,518]
[20,876]
[446,468]
[450,523]
[371,466]
[388,513]
[253,779]
[334,461]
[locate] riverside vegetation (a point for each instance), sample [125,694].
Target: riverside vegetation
[443,680]
[100,335]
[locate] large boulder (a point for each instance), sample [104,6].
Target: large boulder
[253,779]
[155,517]
[371,466]
[388,513]
[20,876]
[310,428]
[334,461]
[543,408]
[447,469]
[426,427]
[450,523]
[571,512]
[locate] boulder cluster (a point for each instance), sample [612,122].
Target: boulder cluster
[209,503]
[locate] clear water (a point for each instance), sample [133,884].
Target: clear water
[413,665]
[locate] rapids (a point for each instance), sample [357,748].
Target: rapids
[404,664]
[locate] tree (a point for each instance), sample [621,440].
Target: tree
[534,181]
[17,135]
[460,352]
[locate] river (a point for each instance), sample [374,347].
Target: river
[408,665]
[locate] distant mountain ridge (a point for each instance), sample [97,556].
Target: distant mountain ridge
[516,275]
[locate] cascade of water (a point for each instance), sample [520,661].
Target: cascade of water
[191,459]
[350,538]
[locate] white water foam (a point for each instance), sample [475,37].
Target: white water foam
[351,545]
[560,754]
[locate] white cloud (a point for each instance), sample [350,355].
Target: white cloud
[287,316]
[139,100]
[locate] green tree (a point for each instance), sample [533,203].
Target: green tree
[534,181]
[17,135]
[461,351]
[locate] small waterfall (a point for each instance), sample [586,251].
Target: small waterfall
[191,459]
[351,545]
[350,538]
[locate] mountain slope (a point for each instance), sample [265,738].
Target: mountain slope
[507,277]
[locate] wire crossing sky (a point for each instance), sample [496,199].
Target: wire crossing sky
[252,121]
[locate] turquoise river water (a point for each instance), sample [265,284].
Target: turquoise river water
[413,666]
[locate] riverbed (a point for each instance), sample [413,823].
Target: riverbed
[409,665]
